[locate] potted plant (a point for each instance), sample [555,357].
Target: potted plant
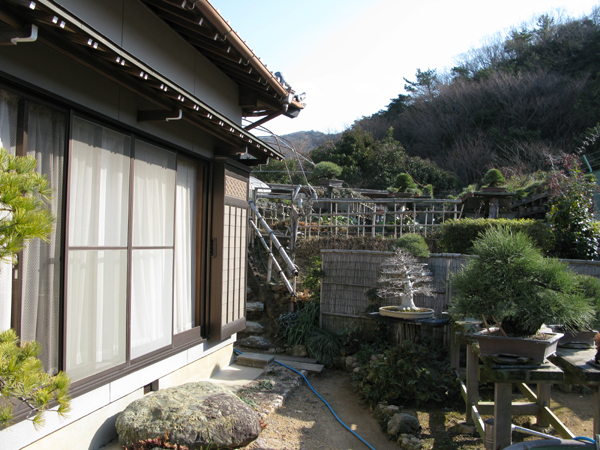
[403,276]
[583,338]
[493,181]
[512,286]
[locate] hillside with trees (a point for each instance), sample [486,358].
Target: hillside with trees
[511,104]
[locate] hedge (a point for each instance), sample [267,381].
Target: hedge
[457,236]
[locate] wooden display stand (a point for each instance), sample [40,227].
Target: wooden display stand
[568,366]
[502,408]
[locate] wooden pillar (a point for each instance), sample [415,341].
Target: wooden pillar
[596,391]
[502,416]
[472,382]
[454,349]
[494,207]
[543,399]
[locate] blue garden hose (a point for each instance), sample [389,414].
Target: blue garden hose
[584,439]
[330,408]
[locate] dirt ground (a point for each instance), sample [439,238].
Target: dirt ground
[305,423]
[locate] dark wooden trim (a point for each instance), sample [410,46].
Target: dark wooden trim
[234,327]
[90,383]
[191,335]
[216,260]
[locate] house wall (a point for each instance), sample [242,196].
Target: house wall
[136,29]
[91,423]
[50,75]
[46,69]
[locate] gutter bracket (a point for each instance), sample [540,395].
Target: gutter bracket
[13,37]
[159,115]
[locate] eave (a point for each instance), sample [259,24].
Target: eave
[200,24]
[61,31]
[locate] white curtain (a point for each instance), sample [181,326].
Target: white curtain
[96,311]
[151,300]
[185,245]
[152,264]
[154,196]
[96,296]
[99,194]
[8,132]
[41,273]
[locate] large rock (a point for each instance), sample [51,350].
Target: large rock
[402,423]
[195,414]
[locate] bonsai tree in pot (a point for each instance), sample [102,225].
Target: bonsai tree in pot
[403,276]
[511,284]
[493,179]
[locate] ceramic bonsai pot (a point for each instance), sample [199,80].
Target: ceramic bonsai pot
[536,350]
[576,339]
[394,311]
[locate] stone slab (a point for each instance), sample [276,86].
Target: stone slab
[236,376]
[255,359]
[315,368]
[301,359]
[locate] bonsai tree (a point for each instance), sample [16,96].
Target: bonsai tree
[510,283]
[405,183]
[326,170]
[23,217]
[493,178]
[403,276]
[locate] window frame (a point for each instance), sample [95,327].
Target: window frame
[180,341]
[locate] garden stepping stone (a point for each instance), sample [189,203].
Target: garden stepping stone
[255,342]
[254,359]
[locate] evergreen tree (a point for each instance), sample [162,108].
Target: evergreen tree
[23,217]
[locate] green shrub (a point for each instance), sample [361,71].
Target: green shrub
[458,236]
[323,346]
[572,212]
[406,374]
[326,170]
[312,279]
[590,288]
[511,283]
[296,326]
[404,182]
[414,244]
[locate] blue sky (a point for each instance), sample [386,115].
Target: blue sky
[350,56]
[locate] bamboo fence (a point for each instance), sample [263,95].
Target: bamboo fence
[349,274]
